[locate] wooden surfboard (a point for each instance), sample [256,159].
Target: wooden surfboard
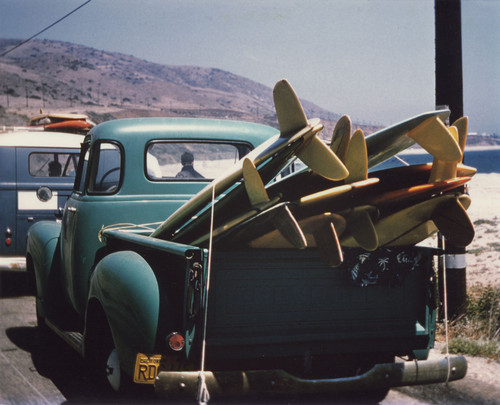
[390,141]
[79,125]
[320,232]
[416,223]
[355,203]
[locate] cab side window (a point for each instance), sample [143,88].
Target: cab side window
[106,169]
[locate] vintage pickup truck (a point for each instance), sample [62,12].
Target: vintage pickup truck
[276,321]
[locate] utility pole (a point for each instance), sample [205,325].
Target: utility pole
[449,92]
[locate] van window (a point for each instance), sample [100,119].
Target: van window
[191,160]
[106,170]
[53,164]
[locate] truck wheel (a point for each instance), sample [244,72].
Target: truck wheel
[113,370]
[102,361]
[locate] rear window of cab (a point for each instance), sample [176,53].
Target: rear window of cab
[187,160]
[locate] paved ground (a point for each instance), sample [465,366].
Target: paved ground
[54,374]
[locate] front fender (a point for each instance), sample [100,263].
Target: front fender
[43,253]
[126,288]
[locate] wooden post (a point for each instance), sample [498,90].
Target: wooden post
[449,91]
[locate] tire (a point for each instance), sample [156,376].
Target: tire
[102,361]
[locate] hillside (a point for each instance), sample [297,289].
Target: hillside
[64,77]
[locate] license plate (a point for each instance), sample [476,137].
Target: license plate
[146,368]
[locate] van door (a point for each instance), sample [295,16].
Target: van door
[45,178]
[8,201]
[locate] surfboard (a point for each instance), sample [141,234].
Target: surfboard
[390,141]
[357,151]
[417,222]
[389,200]
[358,203]
[453,222]
[70,125]
[320,231]
[298,137]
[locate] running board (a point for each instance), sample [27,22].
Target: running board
[74,339]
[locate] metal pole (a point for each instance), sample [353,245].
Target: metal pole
[449,91]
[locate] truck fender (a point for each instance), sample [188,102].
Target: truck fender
[42,258]
[126,289]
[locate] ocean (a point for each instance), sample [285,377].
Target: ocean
[485,161]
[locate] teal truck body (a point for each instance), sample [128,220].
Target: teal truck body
[273,321]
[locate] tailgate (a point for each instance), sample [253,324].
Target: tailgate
[271,302]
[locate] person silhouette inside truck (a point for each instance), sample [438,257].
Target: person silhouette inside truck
[188,170]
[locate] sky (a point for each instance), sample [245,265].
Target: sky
[370,59]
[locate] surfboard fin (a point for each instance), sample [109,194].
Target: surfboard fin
[287,225]
[325,230]
[292,119]
[283,219]
[356,158]
[321,159]
[435,138]
[289,111]
[328,244]
[465,171]
[361,227]
[461,125]
[442,170]
[453,222]
[254,186]
[341,137]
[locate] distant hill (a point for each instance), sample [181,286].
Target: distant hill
[63,77]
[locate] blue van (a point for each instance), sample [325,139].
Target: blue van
[37,172]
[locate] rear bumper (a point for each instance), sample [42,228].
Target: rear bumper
[276,382]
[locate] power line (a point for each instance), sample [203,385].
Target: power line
[45,29]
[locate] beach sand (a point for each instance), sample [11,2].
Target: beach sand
[483,254]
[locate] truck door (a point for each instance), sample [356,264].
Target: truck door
[45,179]
[99,174]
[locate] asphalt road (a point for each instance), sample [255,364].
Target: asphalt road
[53,374]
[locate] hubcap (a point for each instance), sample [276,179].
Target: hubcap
[113,370]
